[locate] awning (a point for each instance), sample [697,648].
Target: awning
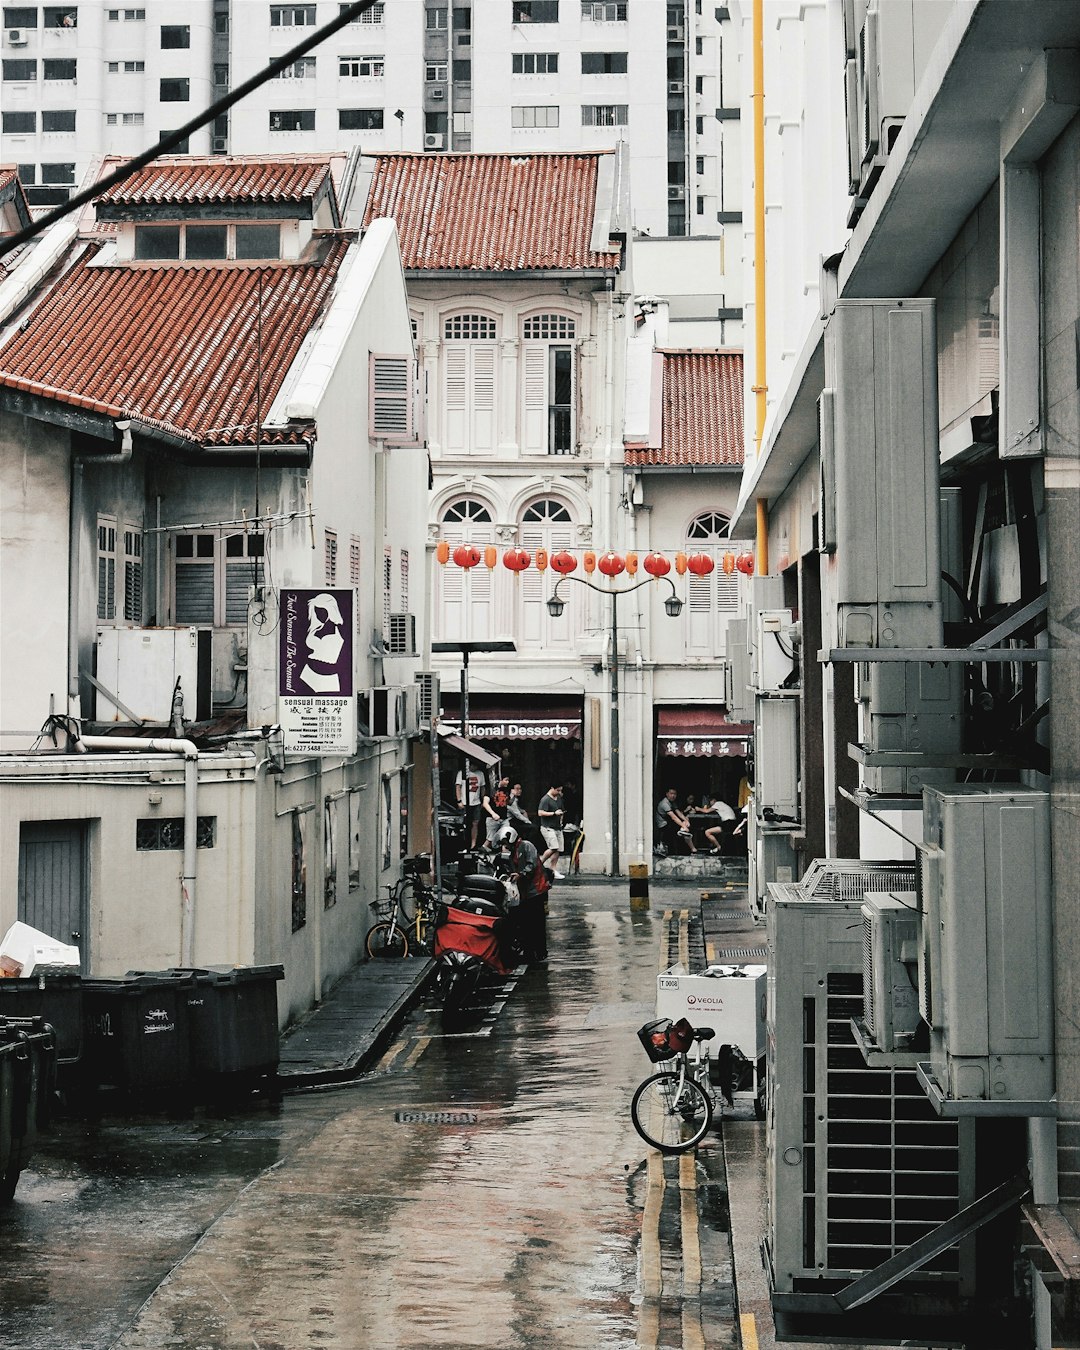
[700,731]
[492,723]
[469,749]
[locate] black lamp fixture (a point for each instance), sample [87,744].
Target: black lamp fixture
[673,608]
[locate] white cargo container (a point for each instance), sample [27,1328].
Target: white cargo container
[730,999]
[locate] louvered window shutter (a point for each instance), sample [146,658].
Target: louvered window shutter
[534,430]
[456,405]
[483,399]
[391,399]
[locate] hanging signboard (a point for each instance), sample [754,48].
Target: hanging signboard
[316,685]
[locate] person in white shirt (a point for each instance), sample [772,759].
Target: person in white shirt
[725,818]
[467,793]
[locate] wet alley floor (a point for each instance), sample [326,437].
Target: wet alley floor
[470,1190]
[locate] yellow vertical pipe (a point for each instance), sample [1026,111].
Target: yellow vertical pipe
[761,387]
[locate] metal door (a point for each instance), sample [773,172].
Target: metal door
[53,881]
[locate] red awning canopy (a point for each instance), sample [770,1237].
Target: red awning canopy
[701,730]
[488,722]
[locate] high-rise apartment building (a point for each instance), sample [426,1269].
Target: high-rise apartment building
[88,78]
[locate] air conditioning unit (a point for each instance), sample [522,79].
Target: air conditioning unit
[219,145]
[409,718]
[987,972]
[438,94]
[402,635]
[427,709]
[775,643]
[891,945]
[16,37]
[776,758]
[434,140]
[676,194]
[382,712]
[675,86]
[141,666]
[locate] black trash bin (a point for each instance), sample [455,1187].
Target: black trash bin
[27,1079]
[57,998]
[234,1023]
[136,1031]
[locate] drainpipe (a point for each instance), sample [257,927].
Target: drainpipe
[121,456]
[191,792]
[761,387]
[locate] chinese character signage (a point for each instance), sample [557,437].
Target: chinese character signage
[316,693]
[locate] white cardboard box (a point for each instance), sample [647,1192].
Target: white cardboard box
[730,999]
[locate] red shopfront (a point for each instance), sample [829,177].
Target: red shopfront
[699,752]
[538,741]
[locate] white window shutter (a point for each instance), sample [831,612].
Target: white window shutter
[456,403]
[483,398]
[391,403]
[534,430]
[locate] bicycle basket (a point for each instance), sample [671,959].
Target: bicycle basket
[664,1038]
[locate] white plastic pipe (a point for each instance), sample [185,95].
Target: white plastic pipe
[169,746]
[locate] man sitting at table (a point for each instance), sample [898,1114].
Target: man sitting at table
[672,826]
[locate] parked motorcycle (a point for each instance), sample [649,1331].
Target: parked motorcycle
[471,937]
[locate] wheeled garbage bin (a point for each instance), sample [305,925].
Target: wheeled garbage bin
[27,1078]
[57,998]
[233,1016]
[136,1032]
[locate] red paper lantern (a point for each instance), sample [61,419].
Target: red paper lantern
[563,562]
[631,564]
[541,559]
[729,563]
[589,561]
[442,551]
[745,563]
[656,565]
[611,564]
[680,564]
[491,555]
[700,564]
[516,559]
[466,555]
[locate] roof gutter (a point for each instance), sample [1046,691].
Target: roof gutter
[515,274]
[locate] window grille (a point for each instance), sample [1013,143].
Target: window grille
[106,604]
[132,576]
[470,327]
[555,327]
[167,833]
[330,539]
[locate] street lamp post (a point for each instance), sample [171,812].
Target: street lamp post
[556,604]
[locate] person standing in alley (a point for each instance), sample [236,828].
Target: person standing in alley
[516,813]
[551,820]
[529,916]
[495,806]
[467,794]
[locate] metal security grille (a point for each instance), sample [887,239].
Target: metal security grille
[435,1117]
[168,833]
[891,1165]
[851,878]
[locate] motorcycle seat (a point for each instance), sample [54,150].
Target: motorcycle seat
[477,886]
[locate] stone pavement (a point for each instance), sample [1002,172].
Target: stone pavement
[341,1037]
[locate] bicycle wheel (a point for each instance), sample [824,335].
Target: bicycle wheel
[671,1119]
[387,939]
[407,900]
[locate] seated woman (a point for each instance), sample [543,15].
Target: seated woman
[717,834]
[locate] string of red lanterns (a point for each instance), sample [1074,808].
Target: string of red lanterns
[610,564]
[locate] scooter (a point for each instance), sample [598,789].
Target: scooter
[470,938]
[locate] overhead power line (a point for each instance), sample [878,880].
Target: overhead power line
[175,138]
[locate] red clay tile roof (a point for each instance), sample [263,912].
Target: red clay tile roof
[702,412]
[219,179]
[490,213]
[172,346]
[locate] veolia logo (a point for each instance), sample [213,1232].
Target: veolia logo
[695,1001]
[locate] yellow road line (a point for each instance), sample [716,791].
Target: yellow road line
[748,1327]
[693,1336]
[392,1054]
[684,939]
[652,1280]
[421,1045]
[663,962]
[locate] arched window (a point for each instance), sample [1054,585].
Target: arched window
[713,599]
[547,384]
[547,524]
[469,422]
[463,608]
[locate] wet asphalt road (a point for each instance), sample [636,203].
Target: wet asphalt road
[477,1190]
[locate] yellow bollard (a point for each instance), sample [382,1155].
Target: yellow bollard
[639,885]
